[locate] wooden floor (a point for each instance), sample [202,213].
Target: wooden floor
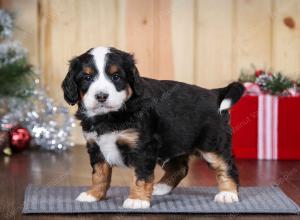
[72,168]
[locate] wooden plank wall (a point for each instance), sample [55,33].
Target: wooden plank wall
[205,42]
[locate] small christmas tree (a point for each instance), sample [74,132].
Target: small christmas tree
[15,72]
[24,104]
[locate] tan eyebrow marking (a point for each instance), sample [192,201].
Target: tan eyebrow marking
[88,70]
[113,69]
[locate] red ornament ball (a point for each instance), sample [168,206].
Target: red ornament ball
[19,138]
[258,73]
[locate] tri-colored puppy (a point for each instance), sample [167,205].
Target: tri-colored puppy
[138,122]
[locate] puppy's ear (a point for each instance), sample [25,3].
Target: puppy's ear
[69,85]
[133,75]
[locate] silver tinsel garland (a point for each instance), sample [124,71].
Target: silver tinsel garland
[50,125]
[10,52]
[6,24]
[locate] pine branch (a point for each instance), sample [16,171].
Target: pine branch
[16,79]
[278,84]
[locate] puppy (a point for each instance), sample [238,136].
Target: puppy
[138,122]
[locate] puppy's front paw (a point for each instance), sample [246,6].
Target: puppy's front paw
[136,204]
[85,197]
[226,197]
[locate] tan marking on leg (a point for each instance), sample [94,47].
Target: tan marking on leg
[141,189]
[172,177]
[225,182]
[128,137]
[100,180]
[175,171]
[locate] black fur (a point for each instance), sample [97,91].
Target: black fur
[173,118]
[233,91]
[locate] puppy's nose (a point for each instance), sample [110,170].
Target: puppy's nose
[101,97]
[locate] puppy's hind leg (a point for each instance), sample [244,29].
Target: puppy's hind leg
[175,170]
[226,174]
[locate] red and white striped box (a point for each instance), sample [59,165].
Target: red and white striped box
[266,127]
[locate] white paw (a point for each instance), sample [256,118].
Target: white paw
[84,197]
[226,197]
[161,189]
[136,204]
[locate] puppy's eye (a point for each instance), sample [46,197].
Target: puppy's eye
[115,77]
[88,78]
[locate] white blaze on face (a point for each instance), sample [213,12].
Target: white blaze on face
[102,84]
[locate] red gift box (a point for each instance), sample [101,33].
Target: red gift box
[266,127]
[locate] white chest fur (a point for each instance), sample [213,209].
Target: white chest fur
[108,146]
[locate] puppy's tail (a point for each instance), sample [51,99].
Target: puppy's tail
[229,95]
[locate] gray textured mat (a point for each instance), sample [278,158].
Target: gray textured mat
[39,199]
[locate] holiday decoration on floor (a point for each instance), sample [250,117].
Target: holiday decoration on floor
[19,138]
[49,124]
[28,117]
[265,120]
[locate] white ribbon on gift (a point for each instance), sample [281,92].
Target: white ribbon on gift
[267,127]
[267,132]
